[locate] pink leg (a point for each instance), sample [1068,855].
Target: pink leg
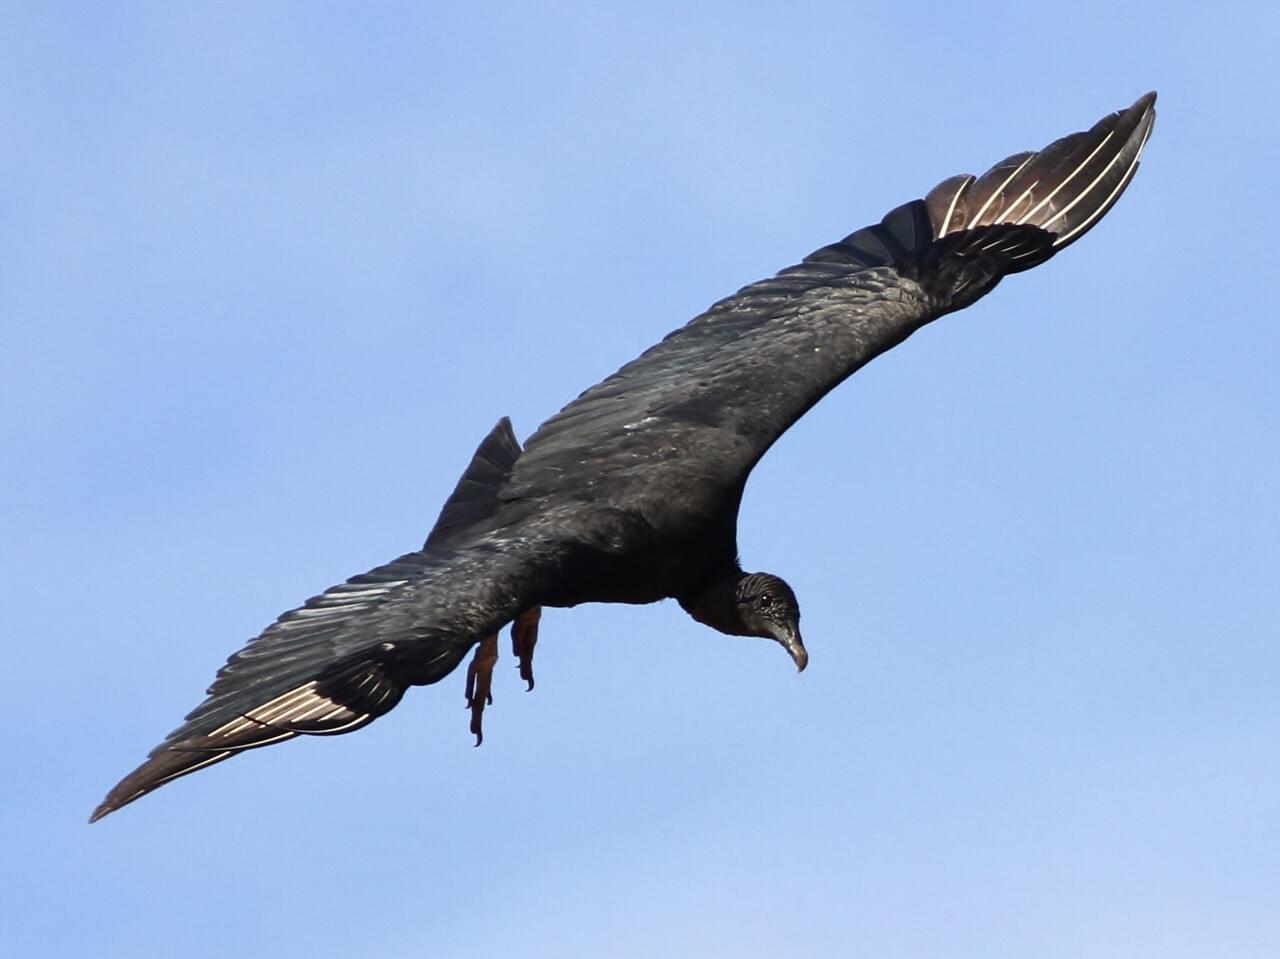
[524,636]
[480,683]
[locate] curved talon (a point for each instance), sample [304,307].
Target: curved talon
[479,689]
[524,636]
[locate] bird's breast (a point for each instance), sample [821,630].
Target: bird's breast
[663,571]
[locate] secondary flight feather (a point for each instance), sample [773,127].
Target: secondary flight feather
[631,492]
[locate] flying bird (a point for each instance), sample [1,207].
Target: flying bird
[630,494]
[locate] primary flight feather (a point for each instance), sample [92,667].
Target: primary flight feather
[630,493]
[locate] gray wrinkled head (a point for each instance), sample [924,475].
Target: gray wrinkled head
[767,607]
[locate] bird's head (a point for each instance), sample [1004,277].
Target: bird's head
[751,604]
[767,606]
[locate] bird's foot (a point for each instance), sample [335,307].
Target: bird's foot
[480,683]
[524,636]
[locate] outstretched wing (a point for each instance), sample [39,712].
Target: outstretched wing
[690,417]
[346,657]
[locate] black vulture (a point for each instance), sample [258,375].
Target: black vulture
[630,494]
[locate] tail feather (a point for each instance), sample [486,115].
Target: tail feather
[476,495]
[336,663]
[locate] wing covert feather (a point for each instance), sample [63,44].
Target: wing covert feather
[702,406]
[345,657]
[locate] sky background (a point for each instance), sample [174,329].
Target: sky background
[268,272]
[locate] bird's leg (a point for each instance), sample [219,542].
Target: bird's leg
[524,636]
[480,683]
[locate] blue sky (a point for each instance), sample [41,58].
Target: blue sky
[267,274]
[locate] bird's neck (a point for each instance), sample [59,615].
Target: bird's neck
[716,604]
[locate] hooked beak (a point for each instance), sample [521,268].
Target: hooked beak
[790,639]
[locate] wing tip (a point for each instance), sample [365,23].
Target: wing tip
[123,793]
[163,766]
[1063,188]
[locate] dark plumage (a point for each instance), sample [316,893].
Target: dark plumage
[630,493]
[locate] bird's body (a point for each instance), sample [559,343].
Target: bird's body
[630,494]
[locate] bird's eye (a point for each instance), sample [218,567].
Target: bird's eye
[766,601]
